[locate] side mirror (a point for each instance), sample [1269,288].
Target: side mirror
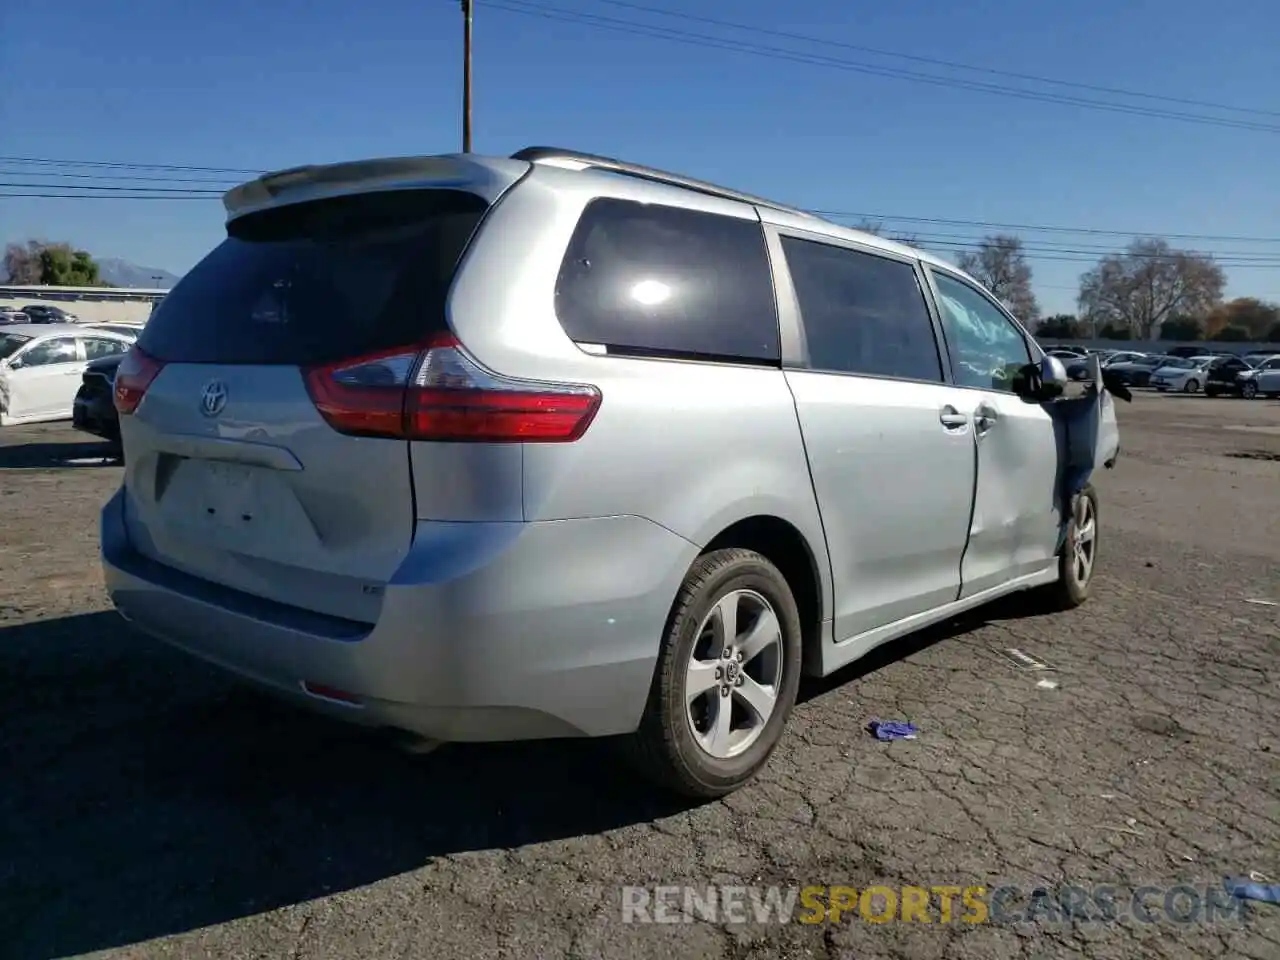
[1040,382]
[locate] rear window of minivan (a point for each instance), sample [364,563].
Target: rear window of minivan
[319,281]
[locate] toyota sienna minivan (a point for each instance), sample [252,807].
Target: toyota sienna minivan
[557,445]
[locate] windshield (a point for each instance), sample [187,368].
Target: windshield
[11,343]
[1180,363]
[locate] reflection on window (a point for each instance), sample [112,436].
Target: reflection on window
[987,349]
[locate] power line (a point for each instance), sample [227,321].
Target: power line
[45,172]
[101,196]
[117,189]
[780,53]
[139,191]
[131,166]
[849,214]
[934,61]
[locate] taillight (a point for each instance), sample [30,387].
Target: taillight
[437,392]
[133,376]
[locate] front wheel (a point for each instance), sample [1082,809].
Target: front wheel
[1079,554]
[1192,385]
[727,676]
[1248,390]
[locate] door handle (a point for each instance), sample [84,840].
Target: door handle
[952,419]
[984,418]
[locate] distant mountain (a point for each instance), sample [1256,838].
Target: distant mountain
[122,273]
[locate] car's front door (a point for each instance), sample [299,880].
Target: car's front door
[889,443]
[1269,376]
[1016,508]
[44,379]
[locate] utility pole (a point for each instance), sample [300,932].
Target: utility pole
[466,75]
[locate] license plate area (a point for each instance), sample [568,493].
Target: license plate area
[234,506]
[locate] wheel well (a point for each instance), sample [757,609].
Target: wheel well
[787,549]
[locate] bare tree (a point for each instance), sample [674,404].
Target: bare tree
[1000,265]
[22,262]
[1148,284]
[877,228]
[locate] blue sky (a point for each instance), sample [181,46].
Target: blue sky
[271,84]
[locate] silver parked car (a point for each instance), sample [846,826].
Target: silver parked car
[555,445]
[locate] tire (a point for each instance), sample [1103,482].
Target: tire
[680,743]
[1248,390]
[1192,385]
[1070,590]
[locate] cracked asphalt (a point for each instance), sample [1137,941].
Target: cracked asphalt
[151,808]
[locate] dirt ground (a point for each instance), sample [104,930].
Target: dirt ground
[149,807]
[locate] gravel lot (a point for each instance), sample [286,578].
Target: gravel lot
[149,807]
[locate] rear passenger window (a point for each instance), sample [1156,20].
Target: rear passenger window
[862,313]
[668,281]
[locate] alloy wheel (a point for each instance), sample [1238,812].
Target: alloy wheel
[734,673]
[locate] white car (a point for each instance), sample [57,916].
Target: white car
[1181,375]
[130,330]
[41,366]
[1263,379]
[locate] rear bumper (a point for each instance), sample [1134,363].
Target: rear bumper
[489,631]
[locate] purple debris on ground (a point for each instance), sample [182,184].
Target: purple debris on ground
[892,730]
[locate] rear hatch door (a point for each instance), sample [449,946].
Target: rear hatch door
[233,475]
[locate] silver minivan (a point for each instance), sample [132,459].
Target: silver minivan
[557,446]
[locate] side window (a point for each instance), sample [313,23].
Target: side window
[659,279]
[986,347]
[862,313]
[1271,365]
[58,350]
[95,347]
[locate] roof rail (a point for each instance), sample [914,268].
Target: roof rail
[582,161]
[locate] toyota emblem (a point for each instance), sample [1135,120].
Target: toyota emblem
[214,398]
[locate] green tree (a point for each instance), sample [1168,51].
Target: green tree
[1182,328]
[1233,334]
[1061,326]
[62,266]
[1113,331]
[1273,335]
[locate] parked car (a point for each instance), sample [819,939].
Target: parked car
[45,313]
[1186,353]
[1122,356]
[9,315]
[93,409]
[129,330]
[1181,374]
[40,368]
[632,482]
[1222,376]
[1137,372]
[1262,379]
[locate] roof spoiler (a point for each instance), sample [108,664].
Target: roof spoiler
[318,181]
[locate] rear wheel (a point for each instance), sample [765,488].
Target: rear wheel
[1248,390]
[1192,385]
[726,680]
[1211,391]
[1079,554]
